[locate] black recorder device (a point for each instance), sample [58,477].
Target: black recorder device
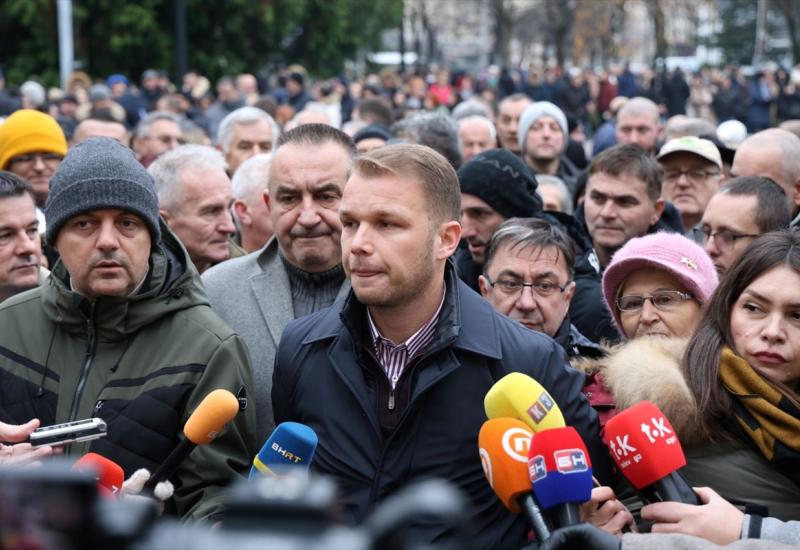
[69,432]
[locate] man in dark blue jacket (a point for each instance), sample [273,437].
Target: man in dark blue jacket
[392,377]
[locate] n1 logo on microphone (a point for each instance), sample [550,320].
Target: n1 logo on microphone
[517,443]
[288,455]
[570,461]
[540,407]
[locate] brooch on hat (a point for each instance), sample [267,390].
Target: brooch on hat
[688,262]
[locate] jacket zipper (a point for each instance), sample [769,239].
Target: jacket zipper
[391,400]
[87,363]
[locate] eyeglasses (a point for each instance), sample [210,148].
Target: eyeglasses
[51,159]
[511,287]
[694,176]
[663,300]
[724,238]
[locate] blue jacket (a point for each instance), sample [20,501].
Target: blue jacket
[326,377]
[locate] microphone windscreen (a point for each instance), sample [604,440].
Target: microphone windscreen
[503,446]
[519,396]
[643,444]
[560,468]
[110,475]
[209,418]
[291,444]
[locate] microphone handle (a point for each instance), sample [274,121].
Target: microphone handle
[567,514]
[171,463]
[674,488]
[535,517]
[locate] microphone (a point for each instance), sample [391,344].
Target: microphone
[291,445]
[519,396]
[206,422]
[561,472]
[108,473]
[646,450]
[504,445]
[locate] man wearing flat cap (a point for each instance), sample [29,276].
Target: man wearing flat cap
[122,331]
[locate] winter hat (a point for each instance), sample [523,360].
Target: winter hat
[670,252]
[29,131]
[100,173]
[500,179]
[372,131]
[534,112]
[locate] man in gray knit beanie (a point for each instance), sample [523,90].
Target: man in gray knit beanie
[100,173]
[102,218]
[543,136]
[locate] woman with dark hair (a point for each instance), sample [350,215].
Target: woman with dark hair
[742,367]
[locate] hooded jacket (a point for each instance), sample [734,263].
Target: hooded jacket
[141,363]
[649,368]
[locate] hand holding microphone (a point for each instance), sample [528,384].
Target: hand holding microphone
[22,453]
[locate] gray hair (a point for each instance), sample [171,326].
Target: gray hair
[479,118]
[639,106]
[167,169]
[470,108]
[523,233]
[143,128]
[436,130]
[563,191]
[790,151]
[252,176]
[244,116]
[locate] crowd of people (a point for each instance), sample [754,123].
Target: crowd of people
[369,257]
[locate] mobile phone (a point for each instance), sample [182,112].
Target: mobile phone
[69,432]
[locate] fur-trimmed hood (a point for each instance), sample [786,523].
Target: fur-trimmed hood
[649,368]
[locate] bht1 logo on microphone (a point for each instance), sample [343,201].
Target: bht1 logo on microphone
[657,429]
[540,407]
[537,470]
[288,455]
[570,461]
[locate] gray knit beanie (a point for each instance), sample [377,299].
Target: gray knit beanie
[100,173]
[534,112]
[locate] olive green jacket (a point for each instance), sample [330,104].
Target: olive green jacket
[142,363]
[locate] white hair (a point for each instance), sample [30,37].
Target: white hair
[167,169]
[563,190]
[252,177]
[245,116]
[143,128]
[479,118]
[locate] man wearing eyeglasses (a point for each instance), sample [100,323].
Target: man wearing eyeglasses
[32,146]
[528,276]
[692,171]
[156,134]
[742,210]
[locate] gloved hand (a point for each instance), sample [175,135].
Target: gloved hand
[579,537]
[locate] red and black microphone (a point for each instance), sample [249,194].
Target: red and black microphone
[647,452]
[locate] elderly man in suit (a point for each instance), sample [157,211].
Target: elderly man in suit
[299,271]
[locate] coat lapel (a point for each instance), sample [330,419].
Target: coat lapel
[273,293]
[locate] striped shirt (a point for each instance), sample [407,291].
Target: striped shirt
[394,358]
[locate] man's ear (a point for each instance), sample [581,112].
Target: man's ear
[483,285]
[165,216]
[658,209]
[449,237]
[796,194]
[242,212]
[266,199]
[570,292]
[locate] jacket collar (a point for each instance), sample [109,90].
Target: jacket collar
[464,322]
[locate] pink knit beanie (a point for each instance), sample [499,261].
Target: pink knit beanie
[671,252]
